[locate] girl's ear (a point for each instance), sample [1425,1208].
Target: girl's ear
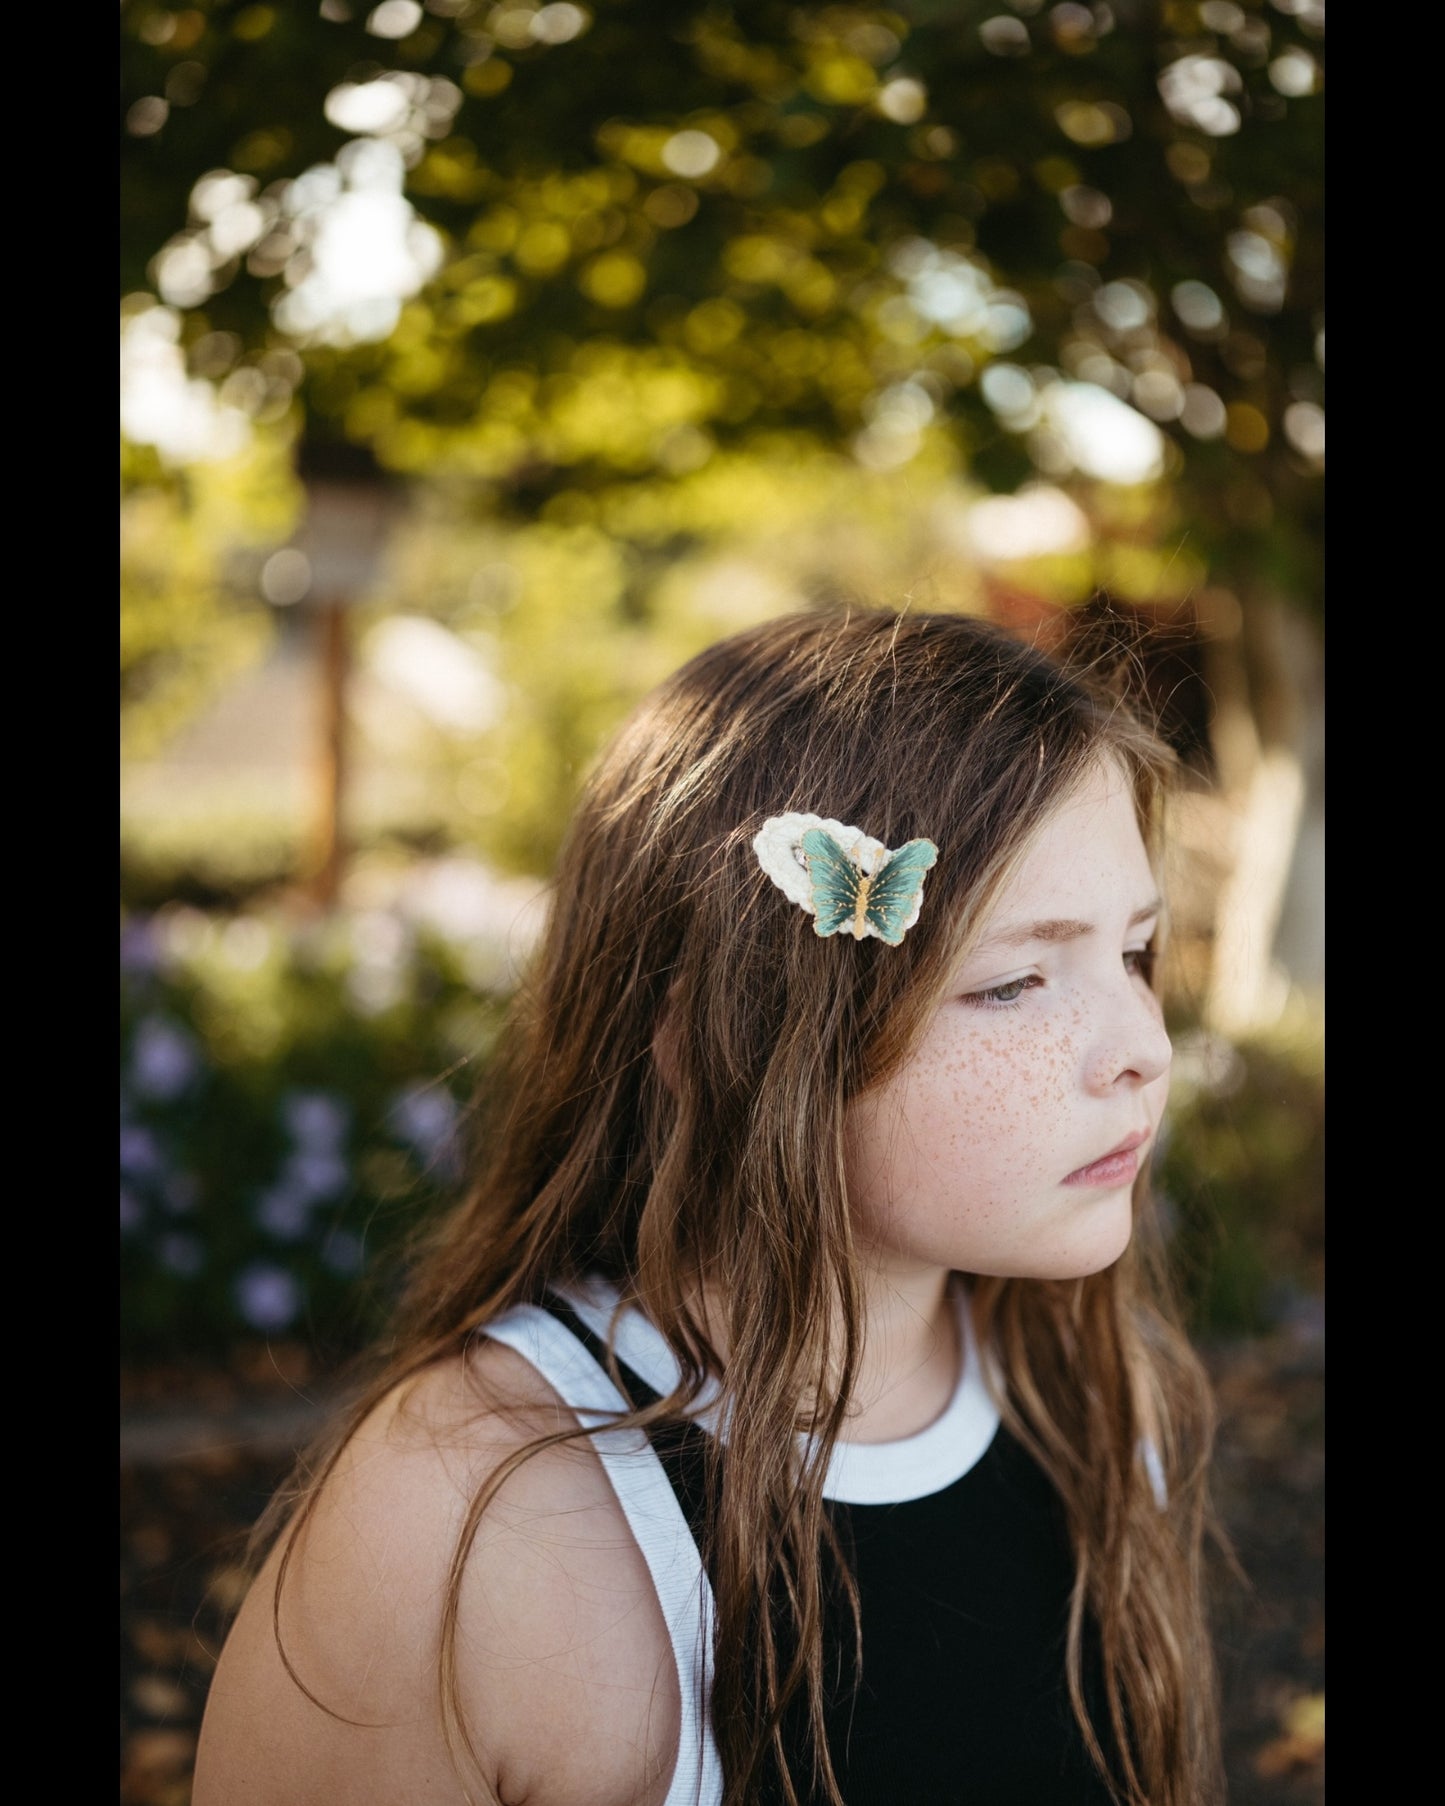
[665,1043]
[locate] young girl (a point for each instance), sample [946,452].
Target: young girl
[790,1411]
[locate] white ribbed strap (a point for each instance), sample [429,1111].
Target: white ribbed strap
[657,1523]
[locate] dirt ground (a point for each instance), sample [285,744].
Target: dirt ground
[1270,1630]
[201,1454]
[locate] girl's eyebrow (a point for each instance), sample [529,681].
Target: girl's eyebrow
[1063,928]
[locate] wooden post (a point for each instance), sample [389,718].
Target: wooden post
[350,507]
[330,855]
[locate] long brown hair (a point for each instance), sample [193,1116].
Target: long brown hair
[589,1161]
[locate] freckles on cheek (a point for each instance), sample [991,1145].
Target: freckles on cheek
[1003,1085]
[989,1096]
[1024,1070]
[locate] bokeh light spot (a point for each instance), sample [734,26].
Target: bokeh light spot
[1198,307]
[1005,36]
[691,154]
[394,19]
[1294,72]
[1246,428]
[1086,206]
[1093,123]
[285,577]
[559,23]
[1203,413]
[375,106]
[1124,306]
[1304,427]
[902,100]
[147,115]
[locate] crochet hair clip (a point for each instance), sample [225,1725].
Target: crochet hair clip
[846,880]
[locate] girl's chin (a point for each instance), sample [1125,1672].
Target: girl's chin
[1084,1250]
[1089,1234]
[1100,1249]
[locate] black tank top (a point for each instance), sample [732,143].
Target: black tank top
[963,1597]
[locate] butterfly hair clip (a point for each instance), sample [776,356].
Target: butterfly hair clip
[847,881]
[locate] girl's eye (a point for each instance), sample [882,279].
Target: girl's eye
[1140,961]
[1002,997]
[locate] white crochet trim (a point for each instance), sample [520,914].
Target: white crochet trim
[779,847]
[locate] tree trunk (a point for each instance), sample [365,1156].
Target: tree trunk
[330,854]
[1260,675]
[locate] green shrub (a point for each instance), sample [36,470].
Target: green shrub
[290,1105]
[1241,1174]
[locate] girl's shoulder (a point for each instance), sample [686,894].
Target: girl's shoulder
[565,1680]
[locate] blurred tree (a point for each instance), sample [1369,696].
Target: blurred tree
[658,226]
[186,623]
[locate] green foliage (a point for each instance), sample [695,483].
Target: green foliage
[671,226]
[229,861]
[731,301]
[581,612]
[186,626]
[1242,1169]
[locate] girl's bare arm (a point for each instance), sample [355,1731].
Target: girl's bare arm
[566,1681]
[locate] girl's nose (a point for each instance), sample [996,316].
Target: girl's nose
[1132,1048]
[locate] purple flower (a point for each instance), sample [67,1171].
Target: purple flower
[140,1153]
[284,1213]
[315,1120]
[164,1060]
[314,1176]
[425,1116]
[183,1254]
[268,1297]
[138,954]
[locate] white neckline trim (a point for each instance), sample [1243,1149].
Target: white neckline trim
[859,1473]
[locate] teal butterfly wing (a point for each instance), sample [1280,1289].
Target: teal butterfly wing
[835,879]
[896,890]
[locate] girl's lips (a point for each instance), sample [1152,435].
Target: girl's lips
[1117,1167]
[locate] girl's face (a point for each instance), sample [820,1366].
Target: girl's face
[1009,1142]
